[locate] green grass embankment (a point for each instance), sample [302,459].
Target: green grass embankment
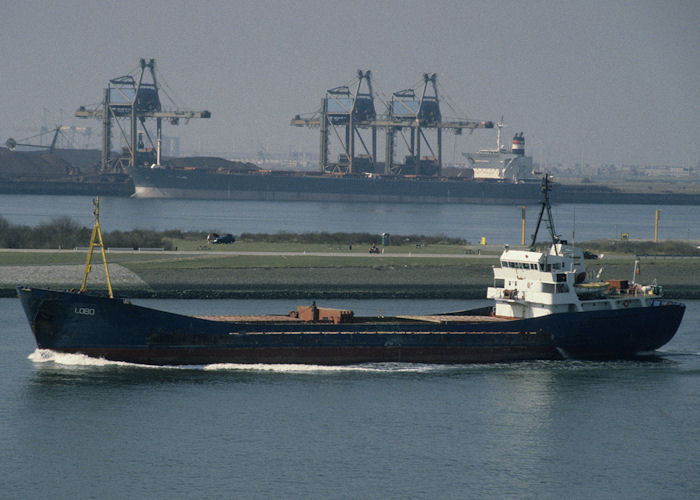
[223,274]
[318,276]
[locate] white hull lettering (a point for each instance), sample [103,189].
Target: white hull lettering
[87,311]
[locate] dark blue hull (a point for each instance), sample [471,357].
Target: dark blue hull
[117,330]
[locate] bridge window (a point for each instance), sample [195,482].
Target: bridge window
[555,288]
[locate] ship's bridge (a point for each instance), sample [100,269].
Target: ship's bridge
[530,283]
[534,261]
[522,259]
[561,257]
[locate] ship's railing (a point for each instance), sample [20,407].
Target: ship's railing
[637,291]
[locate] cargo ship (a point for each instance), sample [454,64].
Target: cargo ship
[267,185]
[197,183]
[544,307]
[498,176]
[495,177]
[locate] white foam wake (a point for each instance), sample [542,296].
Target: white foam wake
[68,359]
[300,368]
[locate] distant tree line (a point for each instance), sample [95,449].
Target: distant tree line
[643,247]
[349,239]
[64,232]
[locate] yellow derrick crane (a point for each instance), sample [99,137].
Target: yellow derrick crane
[96,241]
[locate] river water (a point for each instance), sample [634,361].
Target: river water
[497,223]
[73,427]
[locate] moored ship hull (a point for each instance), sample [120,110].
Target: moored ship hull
[295,186]
[117,330]
[290,186]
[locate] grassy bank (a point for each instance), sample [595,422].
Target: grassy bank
[396,273]
[65,232]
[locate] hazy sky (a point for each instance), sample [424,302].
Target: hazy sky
[602,81]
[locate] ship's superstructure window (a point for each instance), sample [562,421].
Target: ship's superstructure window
[555,288]
[519,265]
[552,267]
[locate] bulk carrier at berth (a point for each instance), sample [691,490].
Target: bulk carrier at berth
[497,176]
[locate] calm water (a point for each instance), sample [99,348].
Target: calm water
[75,428]
[498,223]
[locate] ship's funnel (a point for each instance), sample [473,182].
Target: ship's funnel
[518,144]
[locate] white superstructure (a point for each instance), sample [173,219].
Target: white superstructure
[530,283]
[500,164]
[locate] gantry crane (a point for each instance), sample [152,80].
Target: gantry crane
[418,113]
[127,103]
[408,110]
[350,109]
[415,113]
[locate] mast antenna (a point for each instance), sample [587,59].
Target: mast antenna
[546,206]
